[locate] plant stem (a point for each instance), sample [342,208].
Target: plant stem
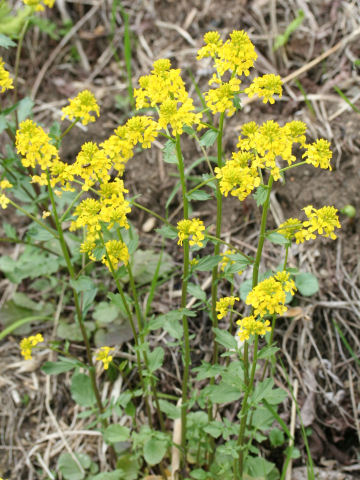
[140,323]
[186,353]
[17,63]
[77,304]
[249,380]
[34,219]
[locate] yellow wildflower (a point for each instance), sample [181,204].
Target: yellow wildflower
[27,344]
[265,86]
[290,227]
[225,259]
[177,116]
[237,177]
[224,305]
[268,297]
[221,98]
[104,356]
[319,154]
[34,146]
[236,55]
[37,5]
[212,44]
[324,220]
[251,326]
[46,214]
[191,229]
[6,82]
[117,252]
[81,106]
[91,165]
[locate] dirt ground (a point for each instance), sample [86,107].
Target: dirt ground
[318,361]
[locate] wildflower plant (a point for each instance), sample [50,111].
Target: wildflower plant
[96,220]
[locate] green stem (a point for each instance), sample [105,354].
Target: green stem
[140,322]
[250,380]
[17,64]
[65,214]
[202,184]
[214,282]
[34,219]
[69,128]
[186,262]
[293,166]
[77,303]
[133,329]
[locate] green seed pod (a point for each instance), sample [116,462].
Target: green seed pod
[349,211]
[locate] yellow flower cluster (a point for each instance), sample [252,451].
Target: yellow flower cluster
[225,260]
[221,99]
[34,146]
[268,297]
[28,343]
[224,305]
[117,252]
[251,326]
[192,229]
[37,4]
[80,108]
[5,80]
[319,154]
[104,356]
[265,87]
[165,90]
[237,176]
[4,201]
[323,221]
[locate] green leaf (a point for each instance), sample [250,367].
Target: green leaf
[206,370]
[72,331]
[81,390]
[196,291]
[208,139]
[276,437]
[261,194]
[171,411]
[105,313]
[114,475]
[116,433]
[282,40]
[205,264]
[261,390]
[82,284]
[225,339]
[70,469]
[267,352]
[6,42]
[198,195]
[61,366]
[155,450]
[258,467]
[9,230]
[156,359]
[130,466]
[24,108]
[169,152]
[224,393]
[214,429]
[277,238]
[167,232]
[145,263]
[307,284]
[276,396]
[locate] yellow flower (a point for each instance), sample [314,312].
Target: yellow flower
[37,5]
[46,214]
[251,326]
[91,165]
[290,227]
[225,259]
[27,344]
[191,229]
[224,305]
[236,55]
[212,44]
[319,154]
[324,220]
[268,297]
[117,252]
[104,356]
[178,115]
[221,98]
[81,106]
[34,146]
[6,82]
[237,177]
[265,86]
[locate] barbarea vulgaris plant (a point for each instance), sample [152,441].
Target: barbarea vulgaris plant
[209,445]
